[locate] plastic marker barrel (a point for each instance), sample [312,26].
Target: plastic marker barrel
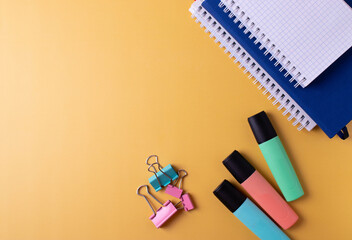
[261,191]
[276,156]
[248,213]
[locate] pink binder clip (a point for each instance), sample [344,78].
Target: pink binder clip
[172,190]
[186,202]
[163,213]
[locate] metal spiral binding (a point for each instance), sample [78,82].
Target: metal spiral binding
[245,21]
[240,55]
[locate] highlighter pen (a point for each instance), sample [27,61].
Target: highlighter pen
[248,213]
[276,156]
[260,190]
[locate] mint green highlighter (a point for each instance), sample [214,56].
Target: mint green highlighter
[276,156]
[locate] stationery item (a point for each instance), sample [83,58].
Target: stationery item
[162,180]
[304,36]
[325,102]
[174,191]
[187,202]
[248,213]
[163,177]
[163,213]
[209,18]
[177,191]
[276,156]
[260,190]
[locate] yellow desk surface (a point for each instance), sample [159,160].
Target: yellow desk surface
[89,89]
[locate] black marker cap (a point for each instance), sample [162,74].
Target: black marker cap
[229,195]
[262,128]
[238,166]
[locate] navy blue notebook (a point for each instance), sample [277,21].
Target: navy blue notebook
[327,100]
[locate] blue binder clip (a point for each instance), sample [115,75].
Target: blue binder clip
[163,177]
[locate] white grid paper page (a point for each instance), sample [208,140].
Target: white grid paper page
[310,34]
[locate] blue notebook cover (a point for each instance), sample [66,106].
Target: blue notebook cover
[327,100]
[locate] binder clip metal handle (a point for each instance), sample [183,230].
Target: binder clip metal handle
[180,178]
[172,189]
[150,205]
[163,213]
[152,156]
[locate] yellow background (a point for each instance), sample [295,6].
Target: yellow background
[89,89]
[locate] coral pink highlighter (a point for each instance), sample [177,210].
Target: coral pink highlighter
[261,191]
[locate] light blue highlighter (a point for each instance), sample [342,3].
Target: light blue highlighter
[248,213]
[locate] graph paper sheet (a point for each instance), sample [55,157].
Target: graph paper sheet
[304,36]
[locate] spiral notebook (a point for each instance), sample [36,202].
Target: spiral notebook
[325,102]
[304,36]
